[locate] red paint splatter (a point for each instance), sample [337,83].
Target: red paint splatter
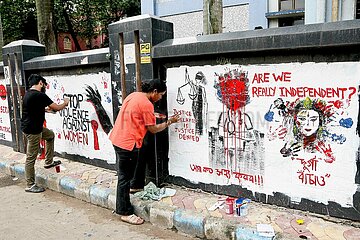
[233,91]
[2,92]
[95,126]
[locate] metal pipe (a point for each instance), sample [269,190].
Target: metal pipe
[18,78]
[321,11]
[335,10]
[137,60]
[13,103]
[122,67]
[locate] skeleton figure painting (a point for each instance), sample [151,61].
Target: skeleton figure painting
[234,143]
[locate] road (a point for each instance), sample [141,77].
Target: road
[51,215]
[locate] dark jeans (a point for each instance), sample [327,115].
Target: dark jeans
[138,181]
[126,163]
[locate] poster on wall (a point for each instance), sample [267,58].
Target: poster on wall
[82,128]
[5,127]
[289,128]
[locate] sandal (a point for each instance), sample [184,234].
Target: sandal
[53,164]
[132,219]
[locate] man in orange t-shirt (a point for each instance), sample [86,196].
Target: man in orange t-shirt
[135,118]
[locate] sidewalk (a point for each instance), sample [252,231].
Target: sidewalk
[187,211]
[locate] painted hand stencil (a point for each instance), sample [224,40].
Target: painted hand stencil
[94,97]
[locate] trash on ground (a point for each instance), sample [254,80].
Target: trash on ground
[219,204]
[154,193]
[216,206]
[265,230]
[300,221]
[15,179]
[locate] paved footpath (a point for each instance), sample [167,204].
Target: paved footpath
[187,211]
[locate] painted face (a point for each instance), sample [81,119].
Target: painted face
[2,92]
[308,122]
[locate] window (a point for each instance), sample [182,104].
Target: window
[67,44]
[291,4]
[287,13]
[291,21]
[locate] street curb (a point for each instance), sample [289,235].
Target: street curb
[163,215]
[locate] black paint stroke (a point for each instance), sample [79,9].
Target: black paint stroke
[93,96]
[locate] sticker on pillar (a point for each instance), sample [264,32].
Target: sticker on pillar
[6,75]
[145,58]
[145,49]
[129,53]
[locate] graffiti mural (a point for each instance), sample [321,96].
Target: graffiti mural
[197,95]
[234,141]
[82,127]
[289,128]
[5,126]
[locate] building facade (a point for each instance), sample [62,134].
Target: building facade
[241,15]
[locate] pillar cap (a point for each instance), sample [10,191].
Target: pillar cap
[23,42]
[136,18]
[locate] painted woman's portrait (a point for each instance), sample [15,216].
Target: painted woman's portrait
[306,126]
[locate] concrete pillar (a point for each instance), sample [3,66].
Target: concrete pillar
[130,47]
[14,55]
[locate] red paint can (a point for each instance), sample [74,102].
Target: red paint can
[229,206]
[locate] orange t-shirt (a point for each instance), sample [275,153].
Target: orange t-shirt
[135,114]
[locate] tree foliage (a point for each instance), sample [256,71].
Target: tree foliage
[89,18]
[85,18]
[18,20]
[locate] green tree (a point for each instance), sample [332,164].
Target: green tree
[45,21]
[84,18]
[89,18]
[18,20]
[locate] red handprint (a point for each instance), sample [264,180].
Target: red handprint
[321,147]
[280,132]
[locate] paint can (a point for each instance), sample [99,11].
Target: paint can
[229,206]
[241,205]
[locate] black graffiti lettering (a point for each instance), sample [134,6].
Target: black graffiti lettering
[75,100]
[76,124]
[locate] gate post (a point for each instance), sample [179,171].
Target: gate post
[130,46]
[14,55]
